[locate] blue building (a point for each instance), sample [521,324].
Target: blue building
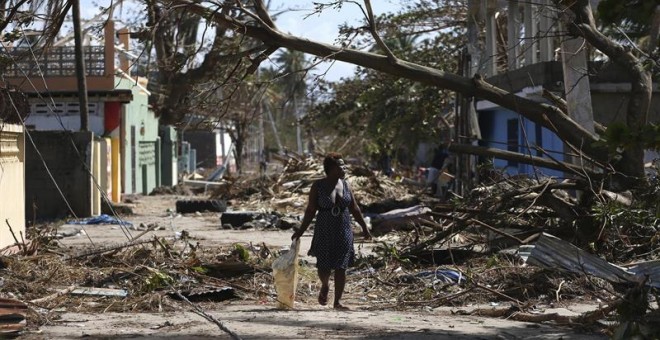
[507,130]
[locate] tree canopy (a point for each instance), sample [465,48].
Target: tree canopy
[254,21]
[408,57]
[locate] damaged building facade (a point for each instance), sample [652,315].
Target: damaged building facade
[526,51]
[123,148]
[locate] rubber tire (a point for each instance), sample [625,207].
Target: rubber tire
[192,206]
[238,218]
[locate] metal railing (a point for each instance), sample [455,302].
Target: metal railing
[54,62]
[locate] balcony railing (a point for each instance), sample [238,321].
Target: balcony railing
[55,62]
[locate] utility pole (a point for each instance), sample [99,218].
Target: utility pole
[80,68]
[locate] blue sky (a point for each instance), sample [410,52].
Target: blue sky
[323,27]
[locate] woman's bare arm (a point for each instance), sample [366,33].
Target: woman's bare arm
[354,208]
[310,211]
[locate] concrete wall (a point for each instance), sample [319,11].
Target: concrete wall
[169,160]
[64,115]
[610,105]
[494,130]
[610,87]
[69,167]
[140,142]
[12,182]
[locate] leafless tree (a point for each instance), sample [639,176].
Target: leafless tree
[255,22]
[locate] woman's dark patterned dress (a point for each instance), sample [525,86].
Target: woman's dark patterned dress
[332,243]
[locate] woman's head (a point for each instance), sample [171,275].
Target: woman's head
[334,162]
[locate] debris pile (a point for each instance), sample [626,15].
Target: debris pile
[519,244]
[288,190]
[140,275]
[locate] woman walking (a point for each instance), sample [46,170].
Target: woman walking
[332,244]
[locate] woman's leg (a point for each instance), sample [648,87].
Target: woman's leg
[324,275]
[340,283]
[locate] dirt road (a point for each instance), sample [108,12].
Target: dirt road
[259,319]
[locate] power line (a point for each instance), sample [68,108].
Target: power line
[59,118]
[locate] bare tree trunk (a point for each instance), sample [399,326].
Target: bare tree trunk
[549,116]
[514,156]
[296,112]
[639,103]
[239,143]
[275,132]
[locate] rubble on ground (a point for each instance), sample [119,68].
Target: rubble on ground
[287,191]
[473,249]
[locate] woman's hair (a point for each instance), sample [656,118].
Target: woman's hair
[331,159]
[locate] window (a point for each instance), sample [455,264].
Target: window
[539,139]
[512,138]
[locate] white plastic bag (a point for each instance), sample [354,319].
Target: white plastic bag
[285,273]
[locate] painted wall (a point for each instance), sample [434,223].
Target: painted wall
[12,183]
[64,115]
[70,169]
[496,128]
[169,159]
[140,142]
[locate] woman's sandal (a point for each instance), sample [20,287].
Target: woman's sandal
[323,296]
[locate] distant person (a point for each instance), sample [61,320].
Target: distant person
[263,162]
[385,163]
[437,166]
[332,244]
[311,147]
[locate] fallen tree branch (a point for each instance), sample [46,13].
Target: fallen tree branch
[21,246]
[515,313]
[441,299]
[435,239]
[561,103]
[374,33]
[107,249]
[547,115]
[495,230]
[199,311]
[500,294]
[580,22]
[515,156]
[53,296]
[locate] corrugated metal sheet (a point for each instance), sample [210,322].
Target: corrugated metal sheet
[552,252]
[13,314]
[650,269]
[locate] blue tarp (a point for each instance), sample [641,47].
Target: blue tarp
[101,219]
